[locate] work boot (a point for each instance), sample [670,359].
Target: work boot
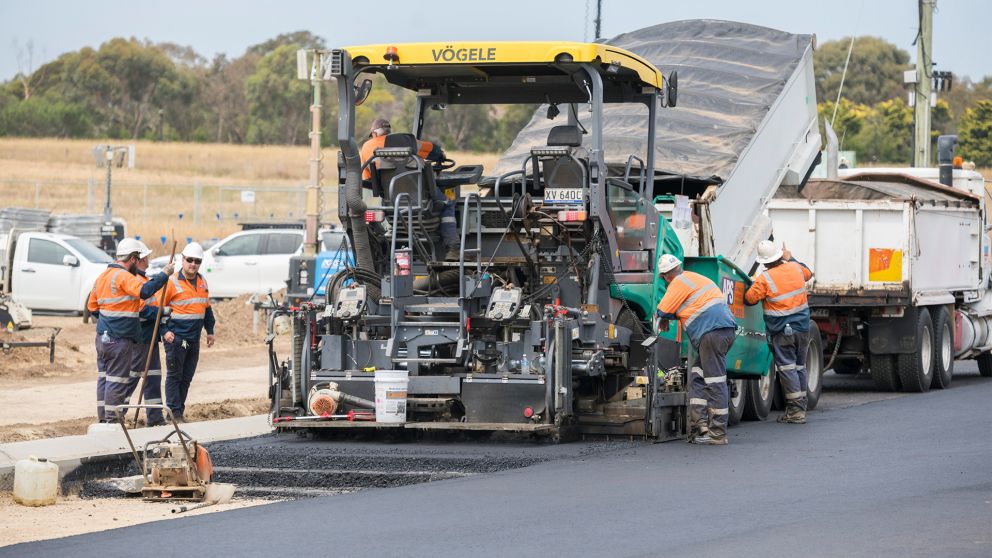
[451,254]
[707,440]
[792,418]
[695,433]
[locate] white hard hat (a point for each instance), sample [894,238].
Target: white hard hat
[667,262]
[145,250]
[129,246]
[768,252]
[193,250]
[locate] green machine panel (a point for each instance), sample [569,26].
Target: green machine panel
[750,355]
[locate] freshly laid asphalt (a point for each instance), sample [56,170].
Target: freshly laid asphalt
[869,475]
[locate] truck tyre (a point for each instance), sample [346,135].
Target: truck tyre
[943,343]
[847,366]
[814,367]
[883,372]
[736,403]
[916,368]
[759,393]
[985,364]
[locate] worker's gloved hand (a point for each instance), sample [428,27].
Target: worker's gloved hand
[168,268]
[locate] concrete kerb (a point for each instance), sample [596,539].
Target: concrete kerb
[70,452]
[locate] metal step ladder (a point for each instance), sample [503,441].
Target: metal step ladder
[416,317]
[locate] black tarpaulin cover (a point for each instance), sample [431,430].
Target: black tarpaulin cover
[729,75]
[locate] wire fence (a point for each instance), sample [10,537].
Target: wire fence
[193,210]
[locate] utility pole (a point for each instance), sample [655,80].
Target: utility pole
[599,19]
[923,86]
[311,242]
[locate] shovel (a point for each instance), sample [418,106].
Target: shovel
[217,493]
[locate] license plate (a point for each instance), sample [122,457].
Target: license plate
[563,195]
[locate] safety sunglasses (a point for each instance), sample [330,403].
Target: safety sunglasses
[196,261]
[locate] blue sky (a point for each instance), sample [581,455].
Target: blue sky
[961,39]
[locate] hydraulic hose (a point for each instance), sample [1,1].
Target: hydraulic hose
[446,278]
[356,212]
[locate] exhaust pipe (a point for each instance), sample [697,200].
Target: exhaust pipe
[945,159]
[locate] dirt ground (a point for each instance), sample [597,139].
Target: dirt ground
[41,400]
[74,516]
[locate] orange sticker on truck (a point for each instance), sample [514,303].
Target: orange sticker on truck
[884,265]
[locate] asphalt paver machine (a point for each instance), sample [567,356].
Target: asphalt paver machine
[529,329]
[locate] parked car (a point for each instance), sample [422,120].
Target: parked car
[49,271]
[252,261]
[155,265]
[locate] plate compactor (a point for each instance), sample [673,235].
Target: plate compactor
[175,468]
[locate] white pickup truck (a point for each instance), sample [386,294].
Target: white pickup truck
[49,271]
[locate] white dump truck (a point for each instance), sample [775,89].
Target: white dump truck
[902,266]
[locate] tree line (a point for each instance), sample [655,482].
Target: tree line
[132,89]
[873,117]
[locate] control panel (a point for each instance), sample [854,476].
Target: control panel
[350,302]
[504,304]
[465,174]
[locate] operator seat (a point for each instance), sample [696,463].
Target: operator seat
[564,171]
[386,168]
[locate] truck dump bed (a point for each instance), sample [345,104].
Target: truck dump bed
[745,120]
[881,239]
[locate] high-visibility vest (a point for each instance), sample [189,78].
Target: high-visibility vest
[424,149]
[689,295]
[783,289]
[189,301]
[116,294]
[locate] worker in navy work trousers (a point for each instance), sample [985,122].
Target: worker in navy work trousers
[152,392]
[187,294]
[782,287]
[116,301]
[702,310]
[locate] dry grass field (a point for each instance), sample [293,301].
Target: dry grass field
[56,175]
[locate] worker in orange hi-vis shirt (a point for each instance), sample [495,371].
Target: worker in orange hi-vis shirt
[701,309]
[782,287]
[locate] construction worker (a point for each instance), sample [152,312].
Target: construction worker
[701,309]
[152,392]
[187,295]
[116,300]
[429,152]
[782,287]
